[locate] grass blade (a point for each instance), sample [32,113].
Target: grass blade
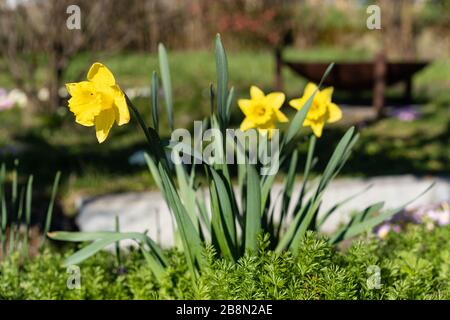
[28,202]
[49,215]
[3,225]
[155,102]
[117,244]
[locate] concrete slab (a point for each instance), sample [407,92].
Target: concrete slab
[148,211]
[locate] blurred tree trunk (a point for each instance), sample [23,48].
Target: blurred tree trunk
[37,31]
[407,36]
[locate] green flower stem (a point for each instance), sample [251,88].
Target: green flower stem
[150,134]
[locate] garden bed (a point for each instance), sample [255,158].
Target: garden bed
[414,264]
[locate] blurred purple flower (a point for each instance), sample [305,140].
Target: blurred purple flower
[396,228]
[408,113]
[428,215]
[383,230]
[5,102]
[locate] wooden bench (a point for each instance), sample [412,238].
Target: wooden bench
[356,76]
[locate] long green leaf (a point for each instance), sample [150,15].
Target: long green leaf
[110,236]
[154,143]
[222,80]
[253,211]
[289,182]
[226,207]
[327,214]
[154,264]
[187,193]
[299,119]
[335,159]
[155,101]
[325,74]
[89,250]
[219,237]
[300,116]
[191,239]
[166,82]
[293,227]
[153,170]
[230,101]
[369,223]
[308,166]
[367,212]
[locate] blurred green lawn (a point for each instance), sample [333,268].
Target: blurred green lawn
[56,142]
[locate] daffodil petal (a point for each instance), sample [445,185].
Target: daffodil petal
[103,123]
[297,103]
[280,116]
[326,94]
[72,87]
[256,93]
[245,105]
[309,90]
[246,124]
[120,107]
[317,128]
[275,99]
[100,75]
[334,113]
[85,103]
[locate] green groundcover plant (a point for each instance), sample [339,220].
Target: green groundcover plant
[240,209]
[414,264]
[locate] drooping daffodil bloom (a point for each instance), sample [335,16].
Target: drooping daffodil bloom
[322,110]
[262,111]
[98,101]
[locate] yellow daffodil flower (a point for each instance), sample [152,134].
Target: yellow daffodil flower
[98,101]
[262,111]
[322,109]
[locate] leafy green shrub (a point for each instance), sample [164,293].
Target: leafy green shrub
[413,264]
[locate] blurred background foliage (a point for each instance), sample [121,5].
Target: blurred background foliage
[38,54]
